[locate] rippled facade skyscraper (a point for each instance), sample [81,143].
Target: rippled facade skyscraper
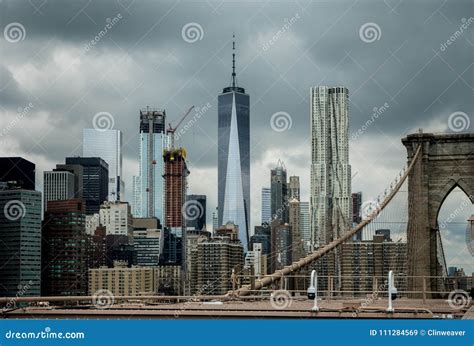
[330,194]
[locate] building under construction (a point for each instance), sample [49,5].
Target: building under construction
[175,176]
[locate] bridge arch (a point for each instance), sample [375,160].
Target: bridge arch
[446,162]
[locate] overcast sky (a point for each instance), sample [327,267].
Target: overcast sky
[399,57]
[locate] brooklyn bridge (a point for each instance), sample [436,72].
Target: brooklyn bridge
[436,165]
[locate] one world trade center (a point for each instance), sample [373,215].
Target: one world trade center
[234,157]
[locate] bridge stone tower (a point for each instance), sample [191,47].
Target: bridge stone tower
[446,161]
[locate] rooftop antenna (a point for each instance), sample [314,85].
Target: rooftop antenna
[233,60]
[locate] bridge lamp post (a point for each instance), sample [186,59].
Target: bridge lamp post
[313,290]
[392,291]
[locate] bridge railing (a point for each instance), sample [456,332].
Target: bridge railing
[358,285]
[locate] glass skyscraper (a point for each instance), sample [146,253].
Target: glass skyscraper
[266,205]
[234,158]
[20,242]
[153,142]
[107,144]
[95,178]
[279,192]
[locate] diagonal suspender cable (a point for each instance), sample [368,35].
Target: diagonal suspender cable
[268,279]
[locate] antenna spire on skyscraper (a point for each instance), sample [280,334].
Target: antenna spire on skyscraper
[233,60]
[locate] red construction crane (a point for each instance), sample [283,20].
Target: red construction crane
[172,130]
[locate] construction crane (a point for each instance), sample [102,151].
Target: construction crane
[172,130]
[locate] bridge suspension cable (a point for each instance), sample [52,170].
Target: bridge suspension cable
[297,265]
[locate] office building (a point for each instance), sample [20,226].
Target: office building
[218,258]
[281,245]
[97,250]
[215,219]
[122,280]
[330,191]
[279,193]
[262,235]
[266,205]
[195,211]
[19,170]
[297,249]
[153,141]
[305,228]
[64,249]
[78,172]
[119,248]
[107,144]
[294,187]
[193,237]
[116,217]
[148,241]
[137,202]
[172,248]
[92,222]
[168,280]
[95,181]
[356,213]
[365,266]
[256,260]
[58,185]
[234,157]
[20,240]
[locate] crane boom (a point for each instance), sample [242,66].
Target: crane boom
[172,130]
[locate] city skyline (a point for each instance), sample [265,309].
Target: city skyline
[268,145]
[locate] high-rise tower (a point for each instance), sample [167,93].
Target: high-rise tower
[330,195]
[107,144]
[266,205]
[234,157]
[153,141]
[279,192]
